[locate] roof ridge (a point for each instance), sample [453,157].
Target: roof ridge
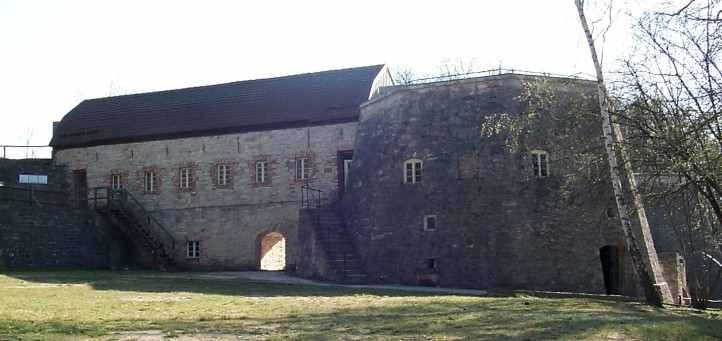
[286,77]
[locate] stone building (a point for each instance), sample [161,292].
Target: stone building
[221,166]
[489,182]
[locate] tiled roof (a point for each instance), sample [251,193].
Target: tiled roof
[273,103]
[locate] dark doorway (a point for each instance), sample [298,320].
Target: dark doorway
[80,185]
[344,165]
[612,269]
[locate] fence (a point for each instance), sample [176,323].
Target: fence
[490,72]
[26,152]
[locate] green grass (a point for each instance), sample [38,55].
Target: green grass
[86,305]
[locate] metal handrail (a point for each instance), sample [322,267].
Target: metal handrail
[146,216]
[493,72]
[310,197]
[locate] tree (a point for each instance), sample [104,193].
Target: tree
[642,252]
[670,98]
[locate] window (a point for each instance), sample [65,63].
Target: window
[260,172]
[430,263]
[116,182]
[193,248]
[149,181]
[412,171]
[185,176]
[430,223]
[222,175]
[303,168]
[33,179]
[540,163]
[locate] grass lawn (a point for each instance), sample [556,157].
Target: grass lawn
[107,305]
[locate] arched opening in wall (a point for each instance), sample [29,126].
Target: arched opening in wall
[612,268]
[272,252]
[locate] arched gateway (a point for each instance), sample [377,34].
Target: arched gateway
[272,255]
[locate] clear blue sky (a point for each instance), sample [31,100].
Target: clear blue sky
[54,54]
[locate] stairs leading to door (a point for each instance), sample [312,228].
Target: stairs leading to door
[130,217]
[344,265]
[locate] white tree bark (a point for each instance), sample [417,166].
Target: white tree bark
[643,254]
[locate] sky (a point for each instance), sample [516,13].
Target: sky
[54,54]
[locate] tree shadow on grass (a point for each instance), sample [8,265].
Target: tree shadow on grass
[154,282]
[497,319]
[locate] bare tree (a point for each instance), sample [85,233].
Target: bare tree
[671,104]
[642,252]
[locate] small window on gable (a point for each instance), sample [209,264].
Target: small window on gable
[261,172]
[540,163]
[33,179]
[222,174]
[303,168]
[193,248]
[185,178]
[150,181]
[412,171]
[430,223]
[116,182]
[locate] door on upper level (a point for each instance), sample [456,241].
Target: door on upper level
[344,165]
[80,187]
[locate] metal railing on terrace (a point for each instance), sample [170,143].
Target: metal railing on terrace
[493,72]
[25,152]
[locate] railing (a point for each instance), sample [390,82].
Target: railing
[310,197]
[26,152]
[35,196]
[492,72]
[132,206]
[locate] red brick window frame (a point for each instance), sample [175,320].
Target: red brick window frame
[222,173]
[185,178]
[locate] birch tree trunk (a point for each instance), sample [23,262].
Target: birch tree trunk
[643,254]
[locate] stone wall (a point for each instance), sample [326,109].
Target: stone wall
[228,220]
[48,231]
[497,224]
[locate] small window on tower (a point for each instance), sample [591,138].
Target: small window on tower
[412,171]
[194,248]
[430,223]
[540,163]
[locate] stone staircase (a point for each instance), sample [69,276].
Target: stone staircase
[344,265]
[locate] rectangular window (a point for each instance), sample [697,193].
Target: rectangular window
[303,169]
[540,163]
[185,178]
[430,223]
[33,179]
[193,248]
[222,174]
[149,181]
[115,183]
[261,172]
[412,171]
[431,263]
